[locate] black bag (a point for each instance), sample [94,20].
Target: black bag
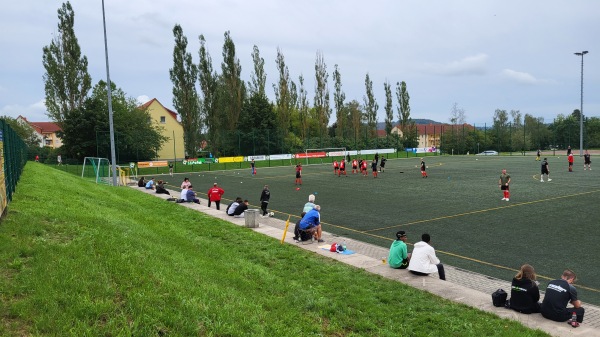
[499,298]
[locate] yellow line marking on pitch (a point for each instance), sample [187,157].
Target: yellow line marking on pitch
[483,210]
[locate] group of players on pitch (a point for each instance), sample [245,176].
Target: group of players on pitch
[339,168]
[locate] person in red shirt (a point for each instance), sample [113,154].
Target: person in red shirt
[214,195]
[363,168]
[570,157]
[342,168]
[298,174]
[336,167]
[354,166]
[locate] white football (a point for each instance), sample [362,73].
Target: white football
[271,214]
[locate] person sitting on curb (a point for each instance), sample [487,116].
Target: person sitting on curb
[297,233]
[191,195]
[239,211]
[311,222]
[160,188]
[398,257]
[233,205]
[423,260]
[524,292]
[141,182]
[310,204]
[150,184]
[559,294]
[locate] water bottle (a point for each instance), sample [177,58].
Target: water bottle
[573,320]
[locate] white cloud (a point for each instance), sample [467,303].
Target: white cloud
[470,65]
[35,112]
[522,77]
[142,99]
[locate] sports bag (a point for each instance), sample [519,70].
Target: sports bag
[499,298]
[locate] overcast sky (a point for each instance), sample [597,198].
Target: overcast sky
[482,55]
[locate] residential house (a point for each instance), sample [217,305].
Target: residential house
[46,132]
[173,148]
[430,135]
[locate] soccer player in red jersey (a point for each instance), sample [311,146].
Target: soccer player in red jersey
[342,168]
[354,166]
[336,167]
[299,174]
[363,168]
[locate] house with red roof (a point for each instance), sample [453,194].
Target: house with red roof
[173,148]
[430,135]
[47,132]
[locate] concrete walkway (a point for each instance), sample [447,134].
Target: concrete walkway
[461,286]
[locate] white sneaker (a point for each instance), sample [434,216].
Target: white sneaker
[507,199]
[541,180]
[549,179]
[503,199]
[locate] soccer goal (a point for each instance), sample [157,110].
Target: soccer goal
[320,154]
[97,169]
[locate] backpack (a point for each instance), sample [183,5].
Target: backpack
[499,298]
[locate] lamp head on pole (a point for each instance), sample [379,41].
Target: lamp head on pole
[582,53]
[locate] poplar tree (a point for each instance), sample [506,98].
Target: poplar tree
[258,78]
[233,86]
[371,106]
[339,97]
[321,101]
[303,109]
[282,94]
[208,86]
[66,81]
[389,108]
[185,96]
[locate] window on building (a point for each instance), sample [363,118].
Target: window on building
[163,119]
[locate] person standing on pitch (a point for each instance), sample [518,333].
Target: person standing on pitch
[571,160]
[264,199]
[336,167]
[587,161]
[399,257]
[342,168]
[171,168]
[423,169]
[559,294]
[298,174]
[253,166]
[382,164]
[214,195]
[374,168]
[545,170]
[503,182]
[539,152]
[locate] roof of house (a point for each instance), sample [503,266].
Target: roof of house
[436,129]
[147,104]
[45,127]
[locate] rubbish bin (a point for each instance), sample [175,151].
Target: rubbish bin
[251,216]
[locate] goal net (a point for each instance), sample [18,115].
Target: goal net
[97,169]
[318,156]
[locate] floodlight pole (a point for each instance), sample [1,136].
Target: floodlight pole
[113,156]
[581,107]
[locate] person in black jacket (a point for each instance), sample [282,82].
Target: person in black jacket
[264,199]
[524,292]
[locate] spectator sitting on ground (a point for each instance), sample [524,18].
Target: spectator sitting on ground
[399,256]
[310,204]
[191,195]
[524,292]
[559,294]
[423,260]
[234,204]
[160,188]
[297,236]
[150,184]
[183,194]
[141,182]
[311,222]
[186,183]
[239,211]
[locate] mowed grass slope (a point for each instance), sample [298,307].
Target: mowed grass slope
[79,259]
[551,225]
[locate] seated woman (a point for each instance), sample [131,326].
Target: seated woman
[141,182]
[524,292]
[160,188]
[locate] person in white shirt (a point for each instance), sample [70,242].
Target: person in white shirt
[423,260]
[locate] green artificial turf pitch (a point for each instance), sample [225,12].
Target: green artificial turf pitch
[551,225]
